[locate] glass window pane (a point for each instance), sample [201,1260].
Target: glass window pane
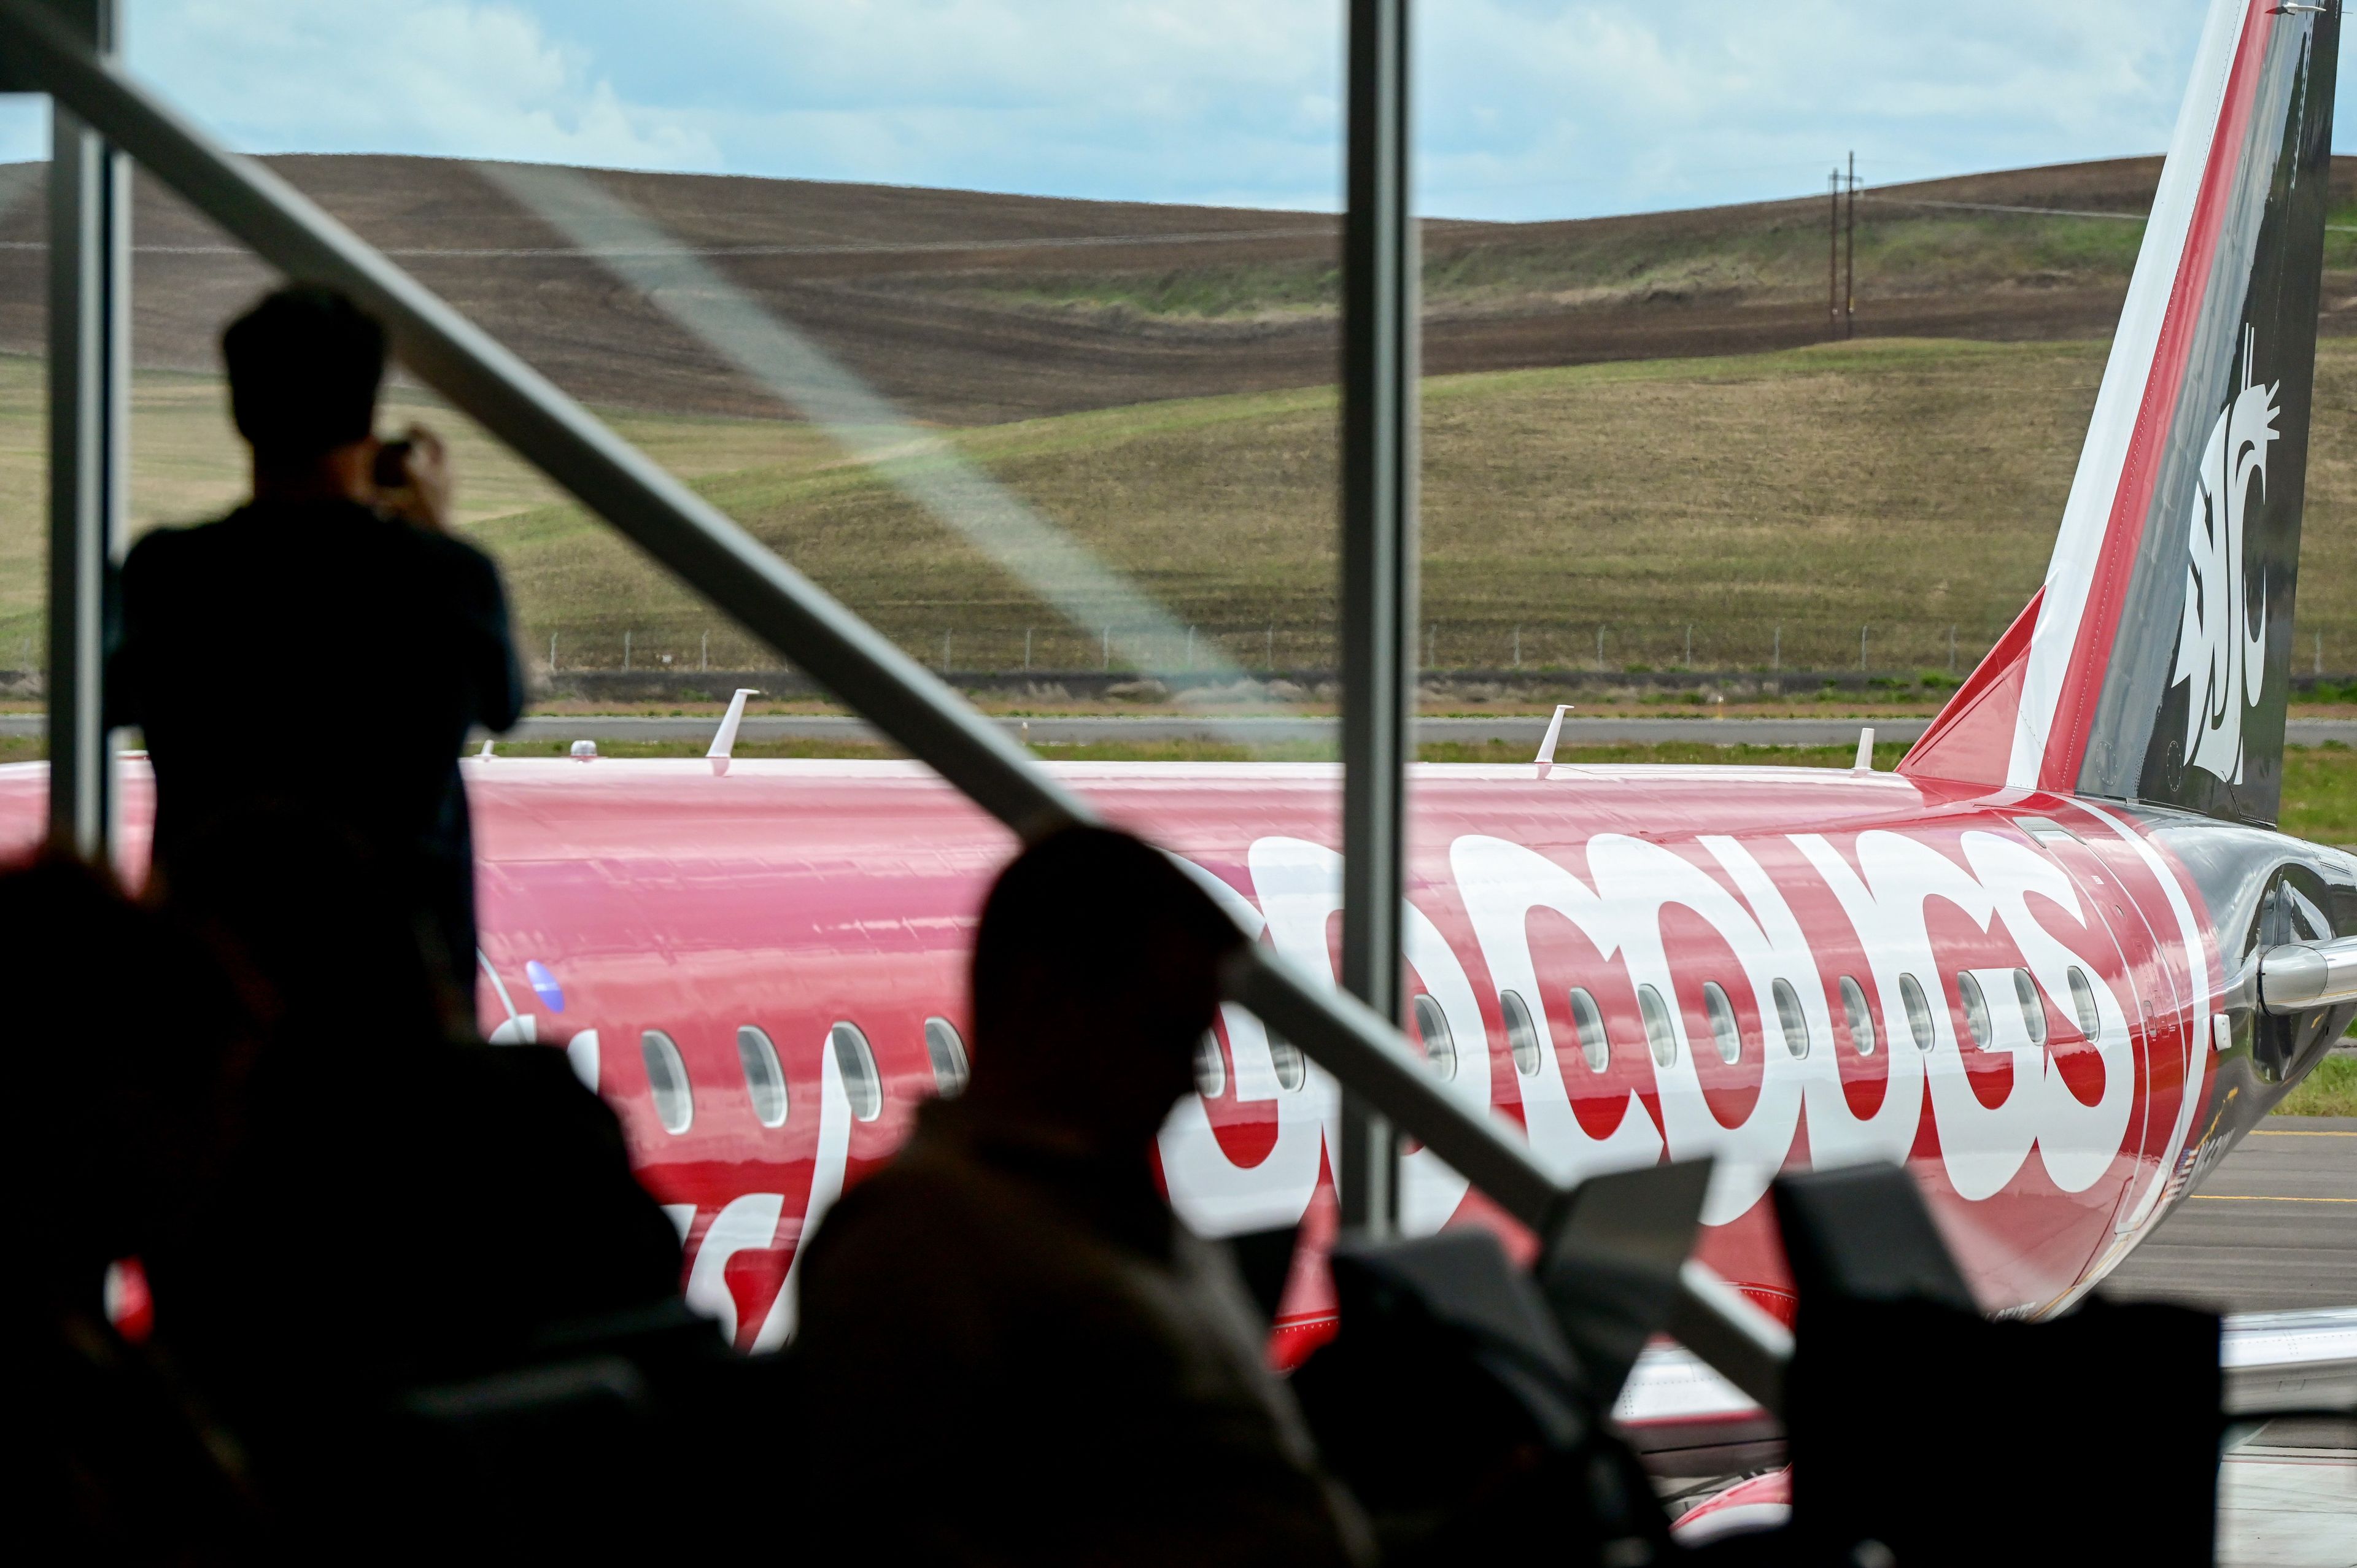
[667,1081]
[1977,1013]
[1522,1033]
[2082,1002]
[1658,1032]
[1860,1017]
[1292,1067]
[1723,1027]
[1211,1067]
[1918,1012]
[1588,1019]
[947,1052]
[1791,1020]
[764,1080]
[1432,1032]
[2033,1006]
[856,1062]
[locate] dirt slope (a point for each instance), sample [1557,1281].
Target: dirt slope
[974,308]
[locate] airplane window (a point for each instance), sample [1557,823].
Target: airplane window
[1791,1020]
[1432,1031]
[1977,1013]
[2310,924]
[1658,1033]
[1723,1027]
[763,1078]
[856,1062]
[1292,1067]
[1588,1019]
[667,1081]
[2083,1002]
[1861,1016]
[1918,1012]
[1211,1067]
[1522,1035]
[948,1054]
[2033,1011]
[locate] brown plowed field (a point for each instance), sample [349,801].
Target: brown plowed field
[972,308]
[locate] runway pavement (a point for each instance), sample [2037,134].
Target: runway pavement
[1260,730]
[2273,1229]
[1519,729]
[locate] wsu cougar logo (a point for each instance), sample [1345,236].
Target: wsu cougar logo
[2219,649]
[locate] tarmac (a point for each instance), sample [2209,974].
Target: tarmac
[1159,729]
[2273,1229]
[1162,729]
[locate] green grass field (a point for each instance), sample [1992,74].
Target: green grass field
[1900,486]
[1775,504]
[2328,1090]
[1899,249]
[1907,487]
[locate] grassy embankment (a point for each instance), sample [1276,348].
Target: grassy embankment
[1752,257]
[1901,487]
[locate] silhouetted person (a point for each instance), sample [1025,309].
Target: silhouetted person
[328,644]
[398,1204]
[1012,1349]
[116,1037]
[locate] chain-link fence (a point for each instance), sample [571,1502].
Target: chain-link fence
[1701,646]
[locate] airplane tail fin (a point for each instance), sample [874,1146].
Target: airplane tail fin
[2155,662]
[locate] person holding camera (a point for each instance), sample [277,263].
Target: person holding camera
[325,649]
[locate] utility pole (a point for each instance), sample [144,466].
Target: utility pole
[1833,255]
[1849,283]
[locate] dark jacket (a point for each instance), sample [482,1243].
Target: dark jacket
[1013,1355]
[326,657]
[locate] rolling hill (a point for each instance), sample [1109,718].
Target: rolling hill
[1631,426]
[971,309]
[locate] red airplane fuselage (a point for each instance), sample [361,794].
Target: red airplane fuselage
[1774,967]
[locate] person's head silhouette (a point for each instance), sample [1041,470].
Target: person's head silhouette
[1095,973]
[304,368]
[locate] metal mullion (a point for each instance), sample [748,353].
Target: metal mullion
[89,359]
[1379,566]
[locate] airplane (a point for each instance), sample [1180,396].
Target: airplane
[2059,962]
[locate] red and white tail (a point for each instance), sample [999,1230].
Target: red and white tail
[2154,665]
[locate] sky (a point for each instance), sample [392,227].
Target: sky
[1524,108]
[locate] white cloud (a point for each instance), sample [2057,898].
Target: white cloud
[457,77]
[1527,108]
